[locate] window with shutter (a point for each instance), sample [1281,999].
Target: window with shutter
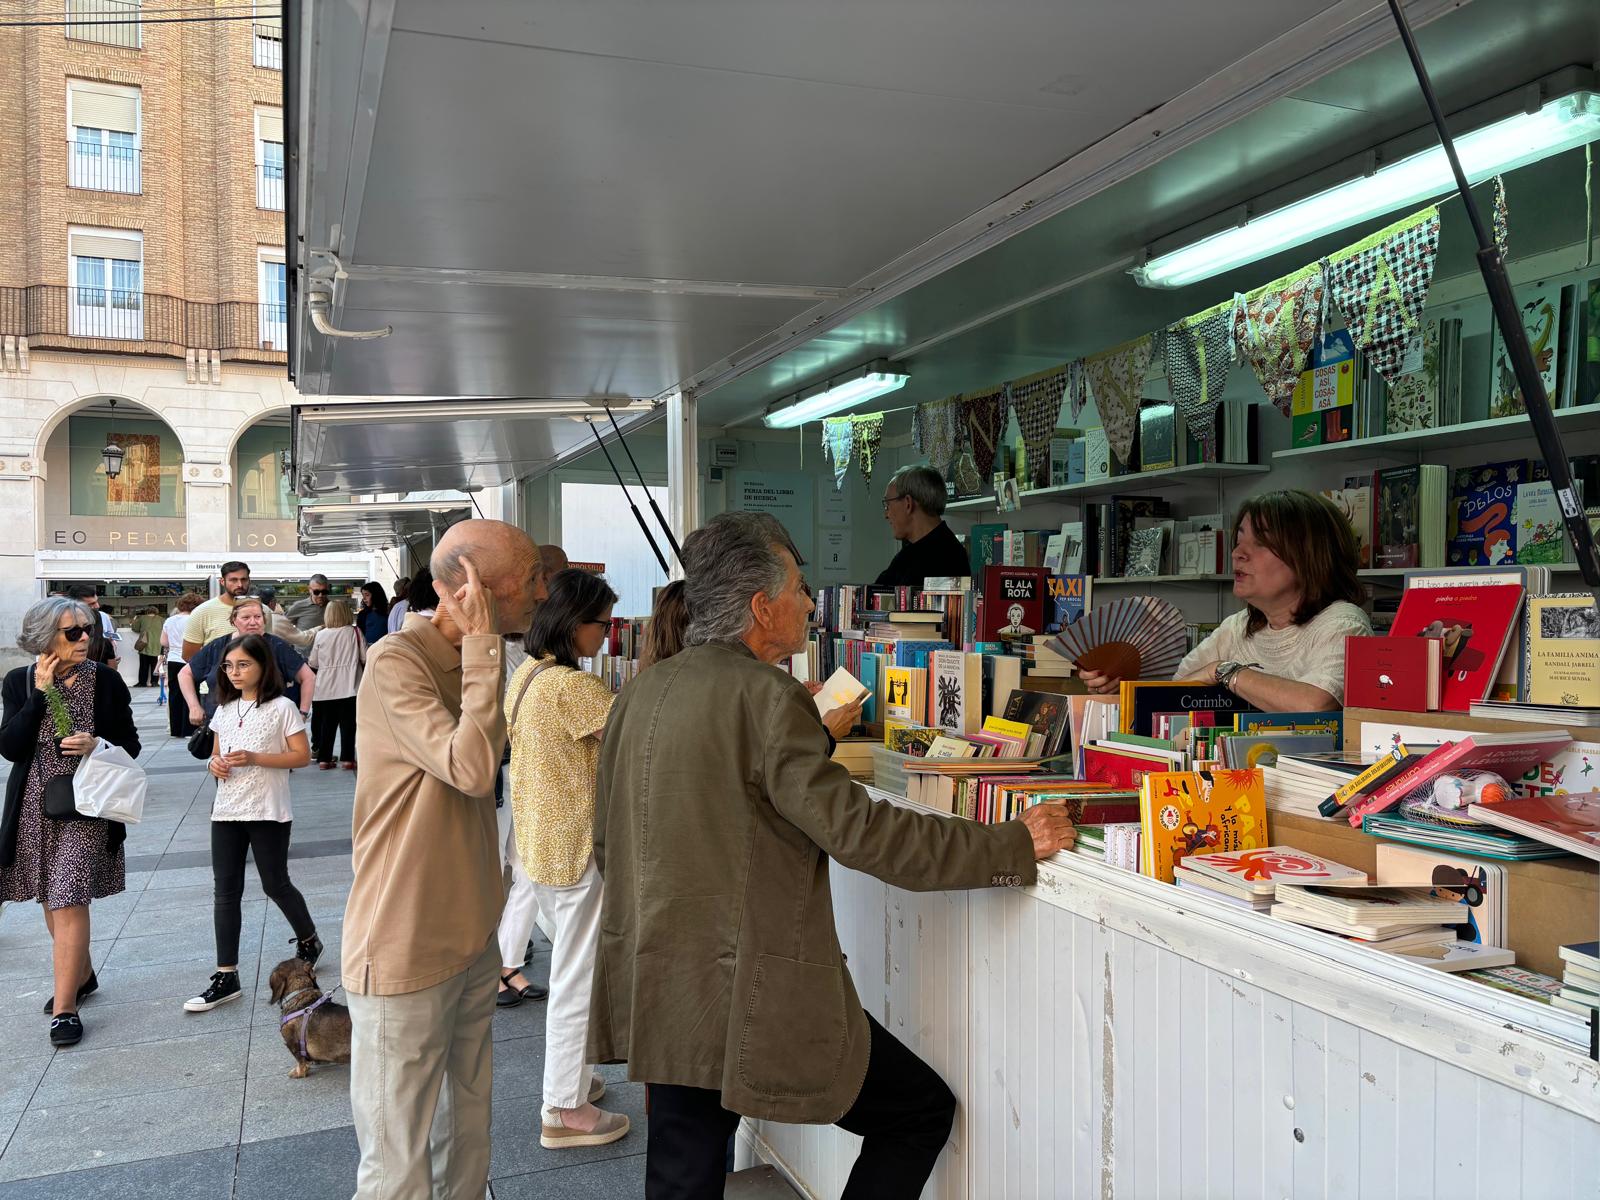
[106,299]
[104,134]
[110,22]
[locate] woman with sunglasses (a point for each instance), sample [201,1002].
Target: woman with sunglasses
[63,864]
[260,736]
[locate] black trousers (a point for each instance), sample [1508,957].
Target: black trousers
[177,707]
[268,842]
[903,1115]
[330,717]
[147,670]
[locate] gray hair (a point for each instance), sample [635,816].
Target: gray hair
[727,562]
[319,578]
[39,623]
[924,485]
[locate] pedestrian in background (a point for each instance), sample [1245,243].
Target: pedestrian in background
[401,604]
[172,649]
[147,641]
[337,656]
[63,864]
[373,619]
[247,617]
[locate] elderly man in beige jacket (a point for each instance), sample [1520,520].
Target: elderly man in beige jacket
[419,949]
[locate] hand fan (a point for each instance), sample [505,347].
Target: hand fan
[1136,637]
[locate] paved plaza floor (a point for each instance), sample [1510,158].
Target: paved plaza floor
[157,1102]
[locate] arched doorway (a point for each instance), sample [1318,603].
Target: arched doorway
[264,503]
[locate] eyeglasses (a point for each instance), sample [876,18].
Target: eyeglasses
[231,667]
[888,500]
[76,633]
[602,624]
[319,591]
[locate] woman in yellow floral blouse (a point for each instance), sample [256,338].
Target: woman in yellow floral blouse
[555,712]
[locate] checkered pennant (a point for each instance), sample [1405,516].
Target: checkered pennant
[1381,285]
[1036,401]
[1116,378]
[1199,356]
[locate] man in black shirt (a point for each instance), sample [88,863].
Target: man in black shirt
[913,504]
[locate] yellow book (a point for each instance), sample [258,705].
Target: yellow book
[1016,729]
[1184,813]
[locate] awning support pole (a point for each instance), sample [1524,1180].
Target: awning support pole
[637,515]
[654,507]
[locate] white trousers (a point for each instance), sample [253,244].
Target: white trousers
[522,904]
[421,1077]
[575,913]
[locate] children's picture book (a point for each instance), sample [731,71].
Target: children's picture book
[1568,822]
[1183,814]
[1476,625]
[1506,754]
[1355,506]
[1122,767]
[1413,395]
[1540,306]
[1482,885]
[1323,399]
[1404,673]
[1482,530]
[1537,516]
[1331,723]
[1530,985]
[1260,871]
[1562,650]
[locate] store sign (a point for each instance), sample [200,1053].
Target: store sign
[594,568]
[265,535]
[114,533]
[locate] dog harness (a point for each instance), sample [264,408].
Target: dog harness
[306,1012]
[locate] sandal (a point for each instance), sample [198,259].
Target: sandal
[507,996]
[530,991]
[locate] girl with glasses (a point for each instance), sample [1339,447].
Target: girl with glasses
[260,737]
[55,710]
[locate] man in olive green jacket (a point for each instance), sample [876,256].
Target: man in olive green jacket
[720,979]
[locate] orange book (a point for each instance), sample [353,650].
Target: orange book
[1184,813]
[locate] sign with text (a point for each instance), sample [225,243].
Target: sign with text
[786,495]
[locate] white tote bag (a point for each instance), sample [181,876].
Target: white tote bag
[110,785]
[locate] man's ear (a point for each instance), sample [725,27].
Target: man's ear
[761,609]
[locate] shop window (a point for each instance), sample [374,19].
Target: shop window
[597,527]
[148,483]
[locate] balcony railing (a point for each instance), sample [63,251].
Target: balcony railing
[103,168]
[269,186]
[110,22]
[269,46]
[142,322]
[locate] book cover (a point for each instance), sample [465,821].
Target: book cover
[1140,701]
[1046,714]
[1569,822]
[1540,306]
[1072,548]
[947,669]
[1481,528]
[1308,722]
[1068,599]
[1530,985]
[1013,603]
[1121,768]
[1537,513]
[904,737]
[1393,672]
[1355,506]
[1183,814]
[1562,654]
[1413,395]
[1158,428]
[1260,871]
[1475,623]
[1096,455]
[1506,754]
[1396,517]
[986,547]
[899,701]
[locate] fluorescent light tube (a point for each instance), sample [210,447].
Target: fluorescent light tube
[877,380]
[1563,124]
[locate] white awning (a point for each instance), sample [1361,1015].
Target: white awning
[346,528]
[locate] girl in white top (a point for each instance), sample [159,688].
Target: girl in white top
[260,737]
[1294,566]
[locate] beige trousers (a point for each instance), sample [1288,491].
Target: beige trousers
[420,1078]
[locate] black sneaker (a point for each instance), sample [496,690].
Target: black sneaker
[90,985]
[224,987]
[308,949]
[66,1030]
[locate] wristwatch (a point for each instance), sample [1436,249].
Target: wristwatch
[1227,670]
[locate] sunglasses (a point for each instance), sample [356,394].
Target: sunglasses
[319,591]
[76,633]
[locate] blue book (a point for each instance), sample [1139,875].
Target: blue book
[868,674]
[1067,600]
[915,654]
[1303,722]
[1077,460]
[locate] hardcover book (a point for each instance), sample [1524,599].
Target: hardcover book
[1475,623]
[985,547]
[1260,871]
[1355,506]
[1013,603]
[1540,307]
[1402,521]
[1401,673]
[1537,514]
[1561,658]
[1140,701]
[1183,814]
[1506,754]
[1046,714]
[1158,429]
[1481,530]
[1569,822]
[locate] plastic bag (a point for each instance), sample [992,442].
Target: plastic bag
[108,784]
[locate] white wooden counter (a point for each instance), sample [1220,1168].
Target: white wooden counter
[1108,1035]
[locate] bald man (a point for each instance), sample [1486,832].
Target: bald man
[420,958]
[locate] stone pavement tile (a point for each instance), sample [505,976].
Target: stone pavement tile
[178,877]
[526,1020]
[22,1073]
[191,943]
[516,1139]
[69,1137]
[310,1166]
[613,1178]
[191,924]
[206,1174]
[277,1106]
[107,1022]
[519,1071]
[100,1069]
[197,898]
[29,962]
[123,985]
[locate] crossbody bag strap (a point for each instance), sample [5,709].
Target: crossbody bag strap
[516,705]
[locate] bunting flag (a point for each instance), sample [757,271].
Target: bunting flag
[1199,355]
[1036,401]
[936,432]
[1116,377]
[869,436]
[1502,217]
[968,481]
[1077,390]
[1274,328]
[838,441]
[1381,284]
[984,416]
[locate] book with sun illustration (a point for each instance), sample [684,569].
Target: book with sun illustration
[1135,637]
[1258,872]
[1183,814]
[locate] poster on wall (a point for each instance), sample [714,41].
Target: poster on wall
[833,508]
[833,556]
[146,486]
[787,496]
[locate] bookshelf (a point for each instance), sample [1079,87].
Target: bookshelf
[1171,477]
[1489,434]
[1135,580]
[1401,572]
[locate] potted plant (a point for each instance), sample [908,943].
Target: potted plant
[60,717]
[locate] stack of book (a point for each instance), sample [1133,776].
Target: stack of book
[1519,981]
[980,793]
[1580,984]
[1388,917]
[1568,822]
[1250,878]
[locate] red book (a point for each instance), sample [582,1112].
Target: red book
[1506,754]
[1120,769]
[1393,672]
[1568,821]
[1013,603]
[1475,622]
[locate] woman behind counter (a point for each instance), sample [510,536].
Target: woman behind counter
[1294,566]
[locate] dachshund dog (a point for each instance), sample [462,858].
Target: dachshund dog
[324,1032]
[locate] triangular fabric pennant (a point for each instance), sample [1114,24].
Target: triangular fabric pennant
[984,416]
[1199,356]
[1077,389]
[838,441]
[1116,378]
[935,431]
[869,436]
[1274,328]
[1036,401]
[1381,285]
[1502,217]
